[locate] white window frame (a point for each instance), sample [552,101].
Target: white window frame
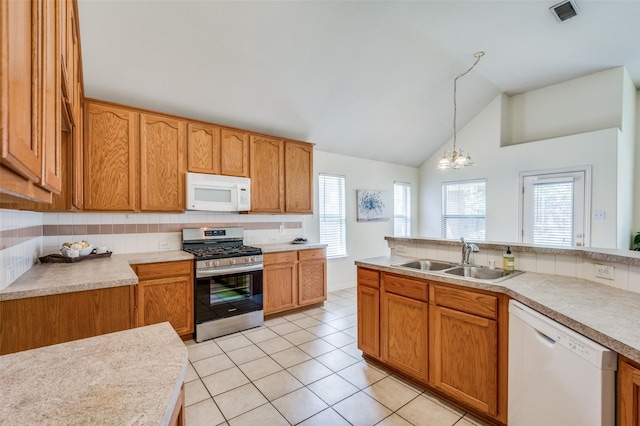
[327,237]
[404,215]
[586,239]
[444,206]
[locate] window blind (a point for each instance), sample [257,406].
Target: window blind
[553,213]
[401,209]
[464,210]
[332,215]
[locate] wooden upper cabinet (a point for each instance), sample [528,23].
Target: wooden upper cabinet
[267,170]
[203,148]
[110,158]
[50,97]
[162,150]
[21,151]
[298,184]
[234,153]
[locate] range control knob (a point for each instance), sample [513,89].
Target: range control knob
[232,261]
[216,263]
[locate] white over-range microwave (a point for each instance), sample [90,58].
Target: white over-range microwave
[218,193]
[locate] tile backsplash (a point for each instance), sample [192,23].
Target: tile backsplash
[25,236]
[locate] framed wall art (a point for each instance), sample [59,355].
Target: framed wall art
[373,206]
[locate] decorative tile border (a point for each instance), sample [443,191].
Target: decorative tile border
[13,237]
[150,228]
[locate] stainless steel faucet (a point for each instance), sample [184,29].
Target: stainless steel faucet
[466,251]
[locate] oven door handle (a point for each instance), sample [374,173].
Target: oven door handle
[226,271]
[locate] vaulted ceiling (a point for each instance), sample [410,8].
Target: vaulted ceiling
[359,78]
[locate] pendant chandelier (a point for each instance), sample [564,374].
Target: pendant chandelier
[458,158]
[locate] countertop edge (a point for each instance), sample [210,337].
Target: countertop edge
[47,279]
[510,286]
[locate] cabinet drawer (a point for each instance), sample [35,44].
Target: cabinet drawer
[280,257]
[368,277]
[406,287]
[466,301]
[149,271]
[312,254]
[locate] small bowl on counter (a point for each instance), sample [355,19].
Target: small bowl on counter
[69,252]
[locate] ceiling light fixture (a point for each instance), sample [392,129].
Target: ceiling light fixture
[458,158]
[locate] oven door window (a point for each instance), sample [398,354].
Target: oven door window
[228,295]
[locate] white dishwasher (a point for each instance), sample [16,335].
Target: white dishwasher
[557,377]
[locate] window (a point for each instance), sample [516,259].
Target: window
[401,209]
[331,194]
[553,208]
[464,210]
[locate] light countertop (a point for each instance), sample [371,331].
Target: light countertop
[132,377]
[607,315]
[54,278]
[274,248]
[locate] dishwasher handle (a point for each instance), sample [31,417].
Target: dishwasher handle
[545,339]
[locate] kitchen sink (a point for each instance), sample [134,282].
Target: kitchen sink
[427,265]
[482,273]
[475,272]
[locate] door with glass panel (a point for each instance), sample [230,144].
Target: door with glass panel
[554,207]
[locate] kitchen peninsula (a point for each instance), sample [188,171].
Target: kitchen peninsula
[450,333]
[129,377]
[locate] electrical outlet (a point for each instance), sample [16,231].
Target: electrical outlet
[598,215]
[604,271]
[163,245]
[282,228]
[401,249]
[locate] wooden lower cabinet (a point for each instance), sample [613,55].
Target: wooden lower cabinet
[369,312]
[294,278]
[464,357]
[47,320]
[165,293]
[404,334]
[469,342]
[452,339]
[628,392]
[177,416]
[280,282]
[404,324]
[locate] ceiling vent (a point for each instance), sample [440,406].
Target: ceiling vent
[564,10]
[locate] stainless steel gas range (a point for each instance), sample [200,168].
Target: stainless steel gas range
[228,281]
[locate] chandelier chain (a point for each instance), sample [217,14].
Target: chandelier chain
[478,56]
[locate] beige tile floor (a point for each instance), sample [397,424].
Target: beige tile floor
[304,368]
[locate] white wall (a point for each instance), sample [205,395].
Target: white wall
[501,167]
[364,239]
[580,105]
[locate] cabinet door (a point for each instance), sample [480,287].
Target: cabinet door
[279,287]
[167,299]
[404,334]
[51,101]
[234,153]
[110,158]
[312,281]
[464,356]
[21,150]
[369,320]
[267,169]
[298,187]
[628,393]
[162,146]
[203,148]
